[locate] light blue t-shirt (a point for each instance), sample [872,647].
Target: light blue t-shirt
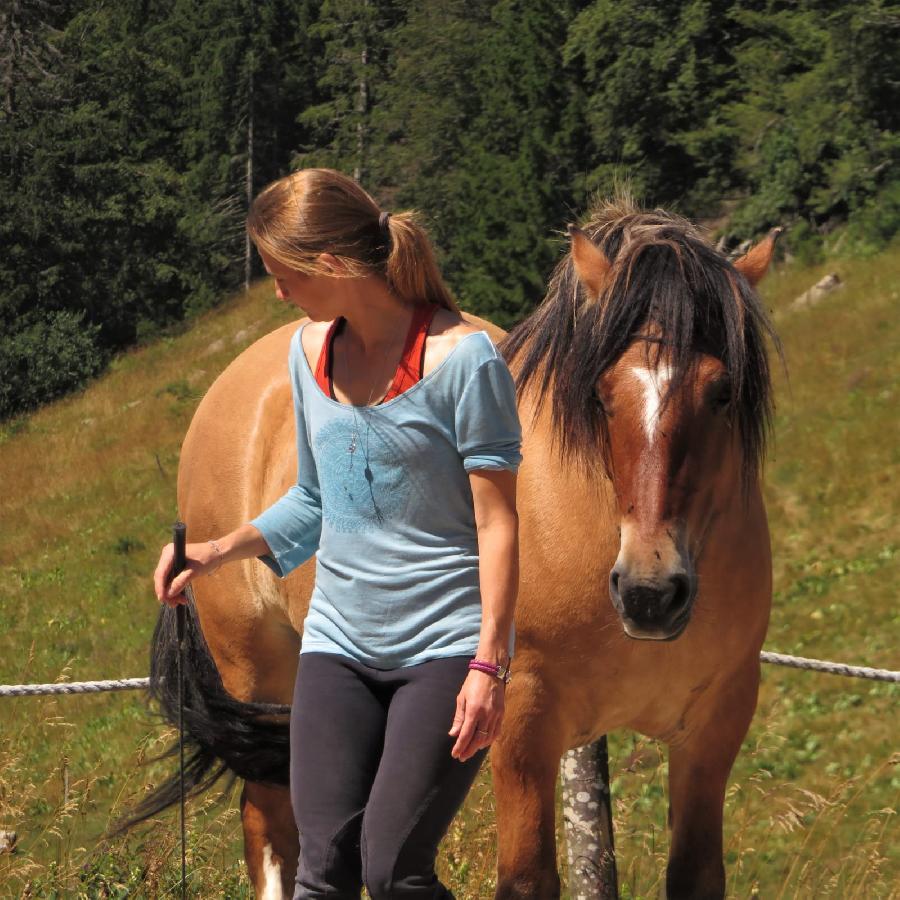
[383,498]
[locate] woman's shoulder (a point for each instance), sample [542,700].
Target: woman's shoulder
[448,330]
[309,338]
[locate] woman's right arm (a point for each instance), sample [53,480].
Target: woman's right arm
[283,536]
[203,559]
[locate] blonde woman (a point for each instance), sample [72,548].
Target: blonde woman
[408,443]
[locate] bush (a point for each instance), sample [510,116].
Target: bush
[872,227]
[45,359]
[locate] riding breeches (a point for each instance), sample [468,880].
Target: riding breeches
[373,786]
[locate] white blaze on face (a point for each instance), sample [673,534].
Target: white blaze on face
[654,382]
[271,874]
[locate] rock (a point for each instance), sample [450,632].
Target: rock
[214,347]
[811,297]
[8,841]
[244,333]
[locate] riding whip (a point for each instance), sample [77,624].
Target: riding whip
[179,539]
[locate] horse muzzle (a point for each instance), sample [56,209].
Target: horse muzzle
[652,609]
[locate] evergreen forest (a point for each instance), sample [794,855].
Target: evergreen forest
[134,134]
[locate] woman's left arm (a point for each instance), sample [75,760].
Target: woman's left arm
[480,704]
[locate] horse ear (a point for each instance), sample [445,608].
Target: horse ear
[591,264]
[754,264]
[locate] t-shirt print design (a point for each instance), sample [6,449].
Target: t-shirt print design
[362,486]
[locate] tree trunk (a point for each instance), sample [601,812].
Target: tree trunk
[362,103]
[248,248]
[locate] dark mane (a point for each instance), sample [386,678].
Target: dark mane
[665,279]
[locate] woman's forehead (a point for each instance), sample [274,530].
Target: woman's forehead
[273,266]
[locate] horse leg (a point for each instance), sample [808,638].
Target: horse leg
[698,773]
[255,656]
[525,762]
[271,846]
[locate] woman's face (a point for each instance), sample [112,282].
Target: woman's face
[313,294]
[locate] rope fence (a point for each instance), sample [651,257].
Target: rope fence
[133,684]
[828,667]
[74,687]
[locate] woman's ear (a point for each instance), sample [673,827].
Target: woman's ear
[331,264]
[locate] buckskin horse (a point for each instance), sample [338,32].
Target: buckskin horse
[645,401]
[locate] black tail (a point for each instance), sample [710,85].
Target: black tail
[222,734]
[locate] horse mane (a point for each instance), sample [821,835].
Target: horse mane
[667,284]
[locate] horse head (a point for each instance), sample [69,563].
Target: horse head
[651,347]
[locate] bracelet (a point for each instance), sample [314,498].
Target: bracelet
[218,550]
[499,672]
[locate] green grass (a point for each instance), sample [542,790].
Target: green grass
[87,498]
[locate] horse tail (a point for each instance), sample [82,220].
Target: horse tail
[221,734]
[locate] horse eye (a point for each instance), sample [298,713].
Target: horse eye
[720,396]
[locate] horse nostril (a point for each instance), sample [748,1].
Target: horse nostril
[614,582]
[681,592]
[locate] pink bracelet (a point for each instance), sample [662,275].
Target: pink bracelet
[498,671]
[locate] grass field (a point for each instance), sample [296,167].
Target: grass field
[88,496]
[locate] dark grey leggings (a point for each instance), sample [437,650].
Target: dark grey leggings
[373,785]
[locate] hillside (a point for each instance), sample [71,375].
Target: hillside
[88,497]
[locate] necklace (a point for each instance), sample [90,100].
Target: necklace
[354,438]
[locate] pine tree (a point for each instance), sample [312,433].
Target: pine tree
[476,125]
[352,34]
[818,116]
[658,76]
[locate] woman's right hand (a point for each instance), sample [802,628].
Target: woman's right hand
[200,559]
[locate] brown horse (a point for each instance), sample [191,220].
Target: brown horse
[644,398]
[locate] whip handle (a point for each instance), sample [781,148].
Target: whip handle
[179,539]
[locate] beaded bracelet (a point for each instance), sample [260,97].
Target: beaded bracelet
[498,671]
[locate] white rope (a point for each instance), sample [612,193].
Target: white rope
[74,687]
[831,668]
[134,684]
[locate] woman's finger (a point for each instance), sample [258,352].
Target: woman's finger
[481,729]
[180,582]
[466,733]
[163,567]
[460,715]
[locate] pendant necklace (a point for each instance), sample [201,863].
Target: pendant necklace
[354,438]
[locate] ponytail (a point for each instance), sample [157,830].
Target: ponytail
[412,270]
[314,211]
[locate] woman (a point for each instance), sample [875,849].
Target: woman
[408,443]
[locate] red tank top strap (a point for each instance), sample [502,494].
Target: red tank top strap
[323,364]
[409,371]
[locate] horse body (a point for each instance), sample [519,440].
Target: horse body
[653,510]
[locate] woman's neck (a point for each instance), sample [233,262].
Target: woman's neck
[376,319]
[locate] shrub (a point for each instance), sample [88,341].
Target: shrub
[47,358]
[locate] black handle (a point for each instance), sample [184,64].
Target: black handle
[179,539]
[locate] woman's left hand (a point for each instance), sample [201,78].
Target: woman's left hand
[479,714]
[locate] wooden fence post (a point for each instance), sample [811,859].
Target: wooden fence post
[587,812]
